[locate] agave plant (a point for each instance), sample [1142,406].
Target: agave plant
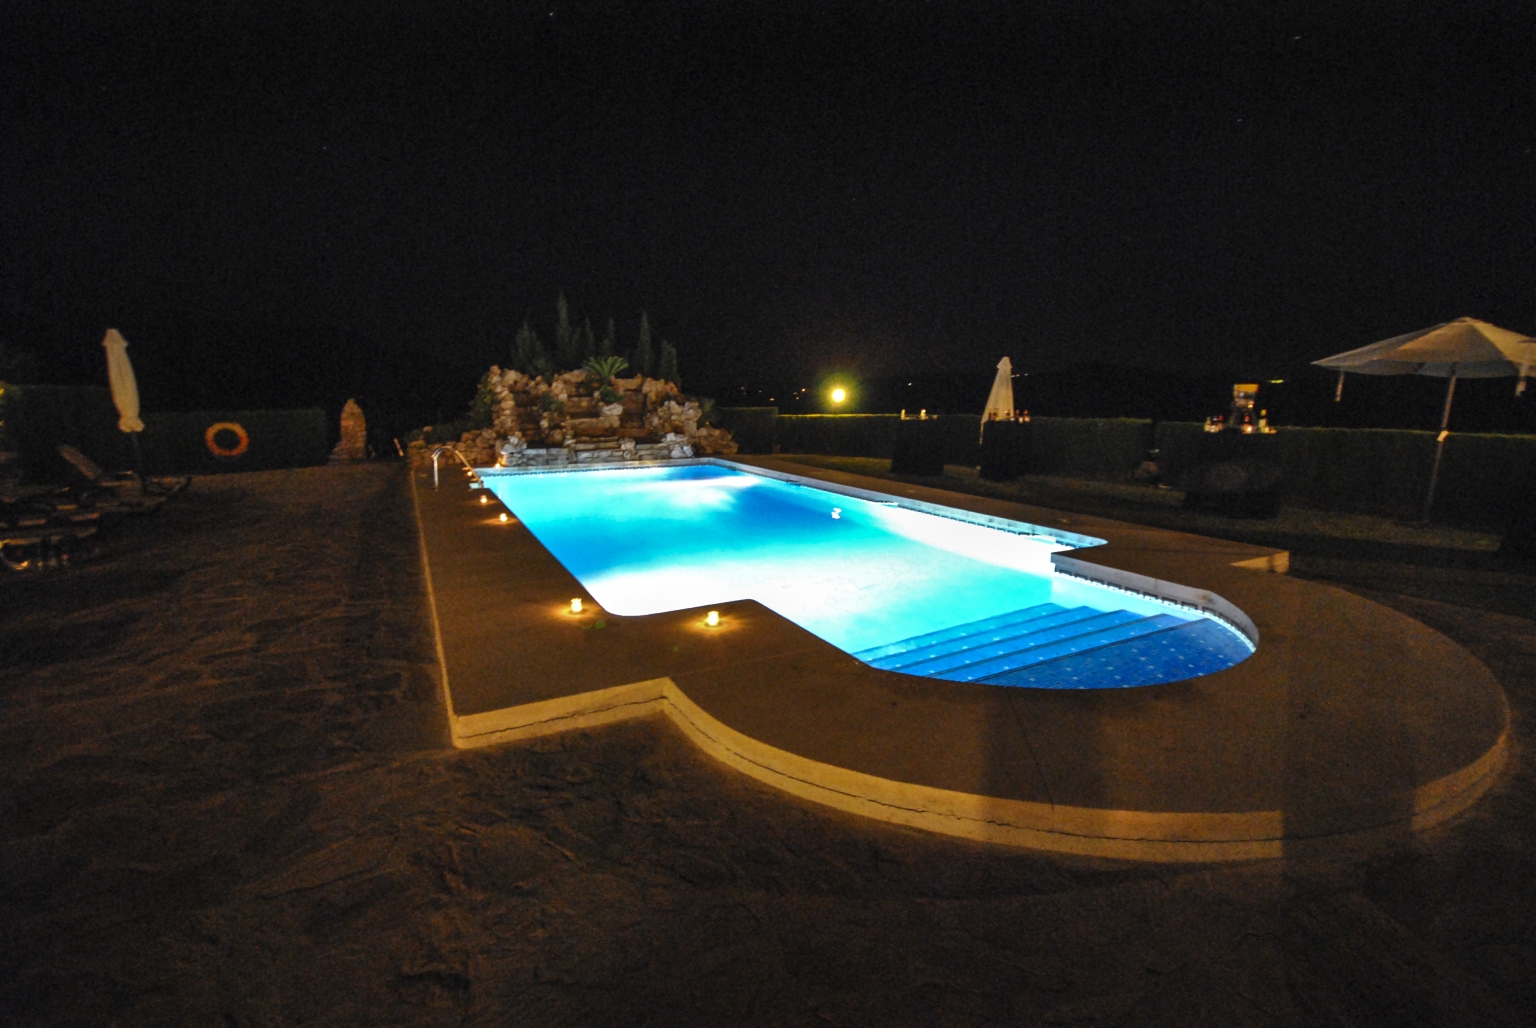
[606,367]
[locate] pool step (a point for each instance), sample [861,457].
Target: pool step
[944,635]
[982,641]
[1053,647]
[1019,648]
[1188,650]
[1094,633]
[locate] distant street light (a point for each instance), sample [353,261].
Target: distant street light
[839,394]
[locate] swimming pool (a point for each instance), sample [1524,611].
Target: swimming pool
[938,593]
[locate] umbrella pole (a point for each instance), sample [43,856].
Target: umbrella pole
[138,455]
[1445,420]
[1338,393]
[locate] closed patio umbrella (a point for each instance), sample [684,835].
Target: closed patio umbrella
[125,390]
[1464,348]
[1000,399]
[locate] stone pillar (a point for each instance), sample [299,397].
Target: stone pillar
[354,434]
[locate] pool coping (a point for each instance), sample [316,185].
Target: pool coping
[1400,729]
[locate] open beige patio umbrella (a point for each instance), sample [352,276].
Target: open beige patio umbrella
[1464,348]
[125,390]
[1000,399]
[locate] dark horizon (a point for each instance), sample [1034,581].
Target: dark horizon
[297,206]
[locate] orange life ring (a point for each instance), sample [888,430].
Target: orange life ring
[242,440]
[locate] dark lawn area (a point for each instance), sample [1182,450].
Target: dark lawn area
[228,800]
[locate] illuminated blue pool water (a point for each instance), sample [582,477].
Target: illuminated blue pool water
[899,588]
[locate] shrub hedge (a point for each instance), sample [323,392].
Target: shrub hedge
[869,435]
[1370,471]
[1481,478]
[40,417]
[176,444]
[1381,471]
[1080,447]
[1101,448]
[962,439]
[750,427]
[842,435]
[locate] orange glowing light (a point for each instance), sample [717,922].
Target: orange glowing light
[712,619]
[576,605]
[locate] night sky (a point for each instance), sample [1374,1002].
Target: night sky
[289,203]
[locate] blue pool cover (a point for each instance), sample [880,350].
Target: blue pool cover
[901,589]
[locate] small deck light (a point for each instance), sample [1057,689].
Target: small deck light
[576,605]
[484,498]
[712,619]
[503,517]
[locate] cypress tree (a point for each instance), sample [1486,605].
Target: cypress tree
[644,360]
[529,355]
[588,346]
[567,344]
[605,348]
[521,348]
[667,366]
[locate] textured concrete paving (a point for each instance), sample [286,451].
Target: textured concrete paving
[228,799]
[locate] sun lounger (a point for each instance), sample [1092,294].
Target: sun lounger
[34,535]
[125,490]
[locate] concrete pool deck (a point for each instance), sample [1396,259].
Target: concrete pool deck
[1349,719]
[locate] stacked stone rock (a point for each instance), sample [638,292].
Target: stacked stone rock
[565,421]
[354,434]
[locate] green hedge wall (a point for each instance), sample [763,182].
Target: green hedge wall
[1175,442]
[962,439]
[1371,471]
[174,443]
[1382,471]
[1079,447]
[751,427]
[1481,478]
[870,435]
[840,435]
[1102,448]
[1374,471]
[40,417]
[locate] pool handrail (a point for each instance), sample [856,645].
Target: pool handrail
[473,474]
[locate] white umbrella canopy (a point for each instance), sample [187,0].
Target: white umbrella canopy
[1464,348]
[1000,399]
[125,388]
[125,391]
